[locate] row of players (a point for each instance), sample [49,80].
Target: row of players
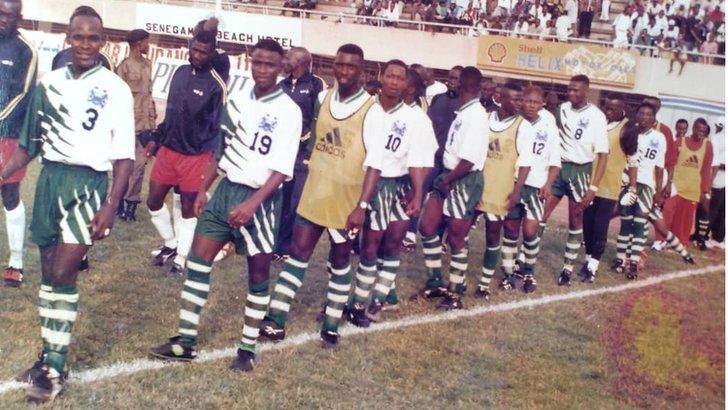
[371,156]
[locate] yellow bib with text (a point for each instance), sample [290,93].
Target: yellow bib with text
[687,171]
[498,170]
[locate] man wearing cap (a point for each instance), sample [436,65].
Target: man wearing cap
[136,71]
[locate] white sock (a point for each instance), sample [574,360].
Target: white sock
[15,225]
[161,221]
[412,237]
[592,264]
[184,240]
[176,213]
[521,257]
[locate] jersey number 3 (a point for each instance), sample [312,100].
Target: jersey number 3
[90,123]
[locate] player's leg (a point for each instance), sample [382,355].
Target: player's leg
[132,197]
[430,220]
[717,216]
[702,224]
[15,228]
[161,219]
[590,215]
[659,222]
[366,275]
[387,267]
[185,231]
[531,225]
[639,227]
[493,225]
[305,236]
[457,230]
[601,212]
[338,288]
[573,241]
[511,232]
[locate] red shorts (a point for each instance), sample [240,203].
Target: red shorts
[183,171]
[8,146]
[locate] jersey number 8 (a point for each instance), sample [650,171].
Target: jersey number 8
[578,133]
[265,143]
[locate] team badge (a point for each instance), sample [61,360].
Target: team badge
[583,122]
[268,123]
[542,136]
[654,144]
[399,128]
[457,125]
[98,97]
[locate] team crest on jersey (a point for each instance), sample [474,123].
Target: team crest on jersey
[98,97]
[542,135]
[583,122]
[654,144]
[399,128]
[268,123]
[457,125]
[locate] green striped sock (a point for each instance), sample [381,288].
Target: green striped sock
[392,298]
[432,249]
[530,250]
[60,318]
[675,244]
[366,275]
[703,226]
[45,305]
[386,277]
[490,261]
[509,250]
[336,298]
[290,279]
[256,304]
[194,296]
[458,269]
[573,243]
[639,238]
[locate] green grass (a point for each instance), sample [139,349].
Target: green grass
[657,347]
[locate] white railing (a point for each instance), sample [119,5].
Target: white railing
[413,24]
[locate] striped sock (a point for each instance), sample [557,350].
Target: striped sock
[639,233]
[490,261]
[366,275]
[458,268]
[508,255]
[675,244]
[573,243]
[625,230]
[392,298]
[59,318]
[530,250]
[386,277]
[432,249]
[256,304]
[336,298]
[194,296]
[290,279]
[541,228]
[703,225]
[45,304]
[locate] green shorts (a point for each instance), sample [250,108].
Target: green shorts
[573,180]
[337,236]
[463,196]
[644,204]
[385,206]
[258,235]
[66,199]
[530,207]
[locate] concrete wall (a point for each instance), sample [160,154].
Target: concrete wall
[433,50]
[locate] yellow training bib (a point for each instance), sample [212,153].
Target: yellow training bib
[335,171]
[687,170]
[498,170]
[611,183]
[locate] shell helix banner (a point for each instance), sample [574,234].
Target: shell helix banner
[559,61]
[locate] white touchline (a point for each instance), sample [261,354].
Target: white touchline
[140,365]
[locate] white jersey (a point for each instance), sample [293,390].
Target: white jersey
[651,149]
[538,147]
[373,122]
[434,89]
[583,133]
[718,142]
[409,141]
[87,121]
[261,136]
[467,138]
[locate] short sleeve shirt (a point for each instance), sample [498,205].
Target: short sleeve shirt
[651,150]
[583,133]
[467,138]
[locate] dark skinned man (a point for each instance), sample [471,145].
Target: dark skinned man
[81,120]
[343,173]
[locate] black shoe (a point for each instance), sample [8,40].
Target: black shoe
[165,254]
[357,316]
[564,278]
[508,282]
[529,284]
[244,361]
[130,211]
[584,271]
[176,271]
[618,266]
[374,310]
[430,293]
[121,209]
[481,293]
[689,259]
[589,277]
[329,340]
[83,266]
[28,374]
[451,302]
[700,243]
[174,350]
[632,272]
[45,384]
[270,330]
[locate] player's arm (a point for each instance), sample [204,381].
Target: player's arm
[244,211]
[414,205]
[554,162]
[470,151]
[30,139]
[372,163]
[103,221]
[515,195]
[526,157]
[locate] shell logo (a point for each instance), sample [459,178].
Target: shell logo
[497,52]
